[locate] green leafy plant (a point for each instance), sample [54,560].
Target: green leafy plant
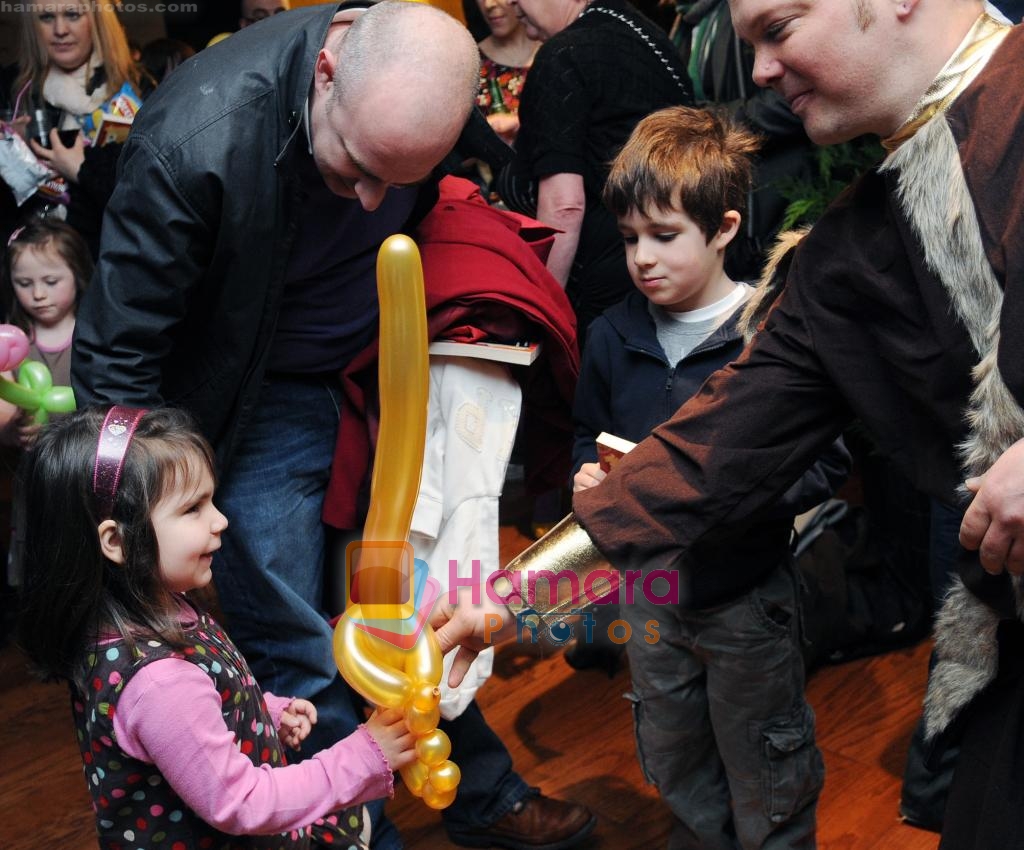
[837,167]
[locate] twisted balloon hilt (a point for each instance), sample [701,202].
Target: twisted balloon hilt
[407,680]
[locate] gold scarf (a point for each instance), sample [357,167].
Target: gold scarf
[959,72]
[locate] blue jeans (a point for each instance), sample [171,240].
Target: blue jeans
[269,575]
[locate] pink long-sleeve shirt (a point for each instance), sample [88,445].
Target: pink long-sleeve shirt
[169,715]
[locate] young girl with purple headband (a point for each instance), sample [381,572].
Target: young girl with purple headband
[180,747]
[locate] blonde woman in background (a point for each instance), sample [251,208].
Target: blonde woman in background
[71,58]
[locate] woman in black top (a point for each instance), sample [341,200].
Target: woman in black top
[603,66]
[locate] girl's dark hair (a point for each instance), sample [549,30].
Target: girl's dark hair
[72,594]
[40,233]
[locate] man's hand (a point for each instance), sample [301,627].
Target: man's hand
[994,521]
[471,627]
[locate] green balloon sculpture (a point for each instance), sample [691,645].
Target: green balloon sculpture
[34,390]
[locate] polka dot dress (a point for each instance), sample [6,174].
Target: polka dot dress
[135,807]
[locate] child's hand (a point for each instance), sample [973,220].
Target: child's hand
[387,727]
[28,430]
[296,723]
[590,474]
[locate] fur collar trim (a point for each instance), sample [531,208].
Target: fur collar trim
[933,194]
[773,278]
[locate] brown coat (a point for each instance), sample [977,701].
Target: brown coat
[870,326]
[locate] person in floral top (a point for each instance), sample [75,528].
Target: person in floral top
[506,55]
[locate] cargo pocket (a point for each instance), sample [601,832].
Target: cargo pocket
[774,604]
[793,771]
[637,705]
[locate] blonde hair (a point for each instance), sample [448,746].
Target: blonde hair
[108,41]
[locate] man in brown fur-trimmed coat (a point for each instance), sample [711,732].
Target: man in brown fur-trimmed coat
[904,307]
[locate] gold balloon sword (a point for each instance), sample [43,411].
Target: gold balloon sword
[376,645]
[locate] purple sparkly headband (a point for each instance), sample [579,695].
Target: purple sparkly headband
[115,435]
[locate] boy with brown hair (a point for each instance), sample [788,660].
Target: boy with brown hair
[722,725]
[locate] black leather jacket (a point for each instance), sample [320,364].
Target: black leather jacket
[197,234]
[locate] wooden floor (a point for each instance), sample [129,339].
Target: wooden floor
[569,732]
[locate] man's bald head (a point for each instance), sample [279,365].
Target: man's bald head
[392,91]
[427,58]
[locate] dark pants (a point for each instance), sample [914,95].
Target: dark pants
[722,726]
[929,769]
[985,809]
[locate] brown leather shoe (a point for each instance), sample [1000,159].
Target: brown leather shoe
[535,823]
